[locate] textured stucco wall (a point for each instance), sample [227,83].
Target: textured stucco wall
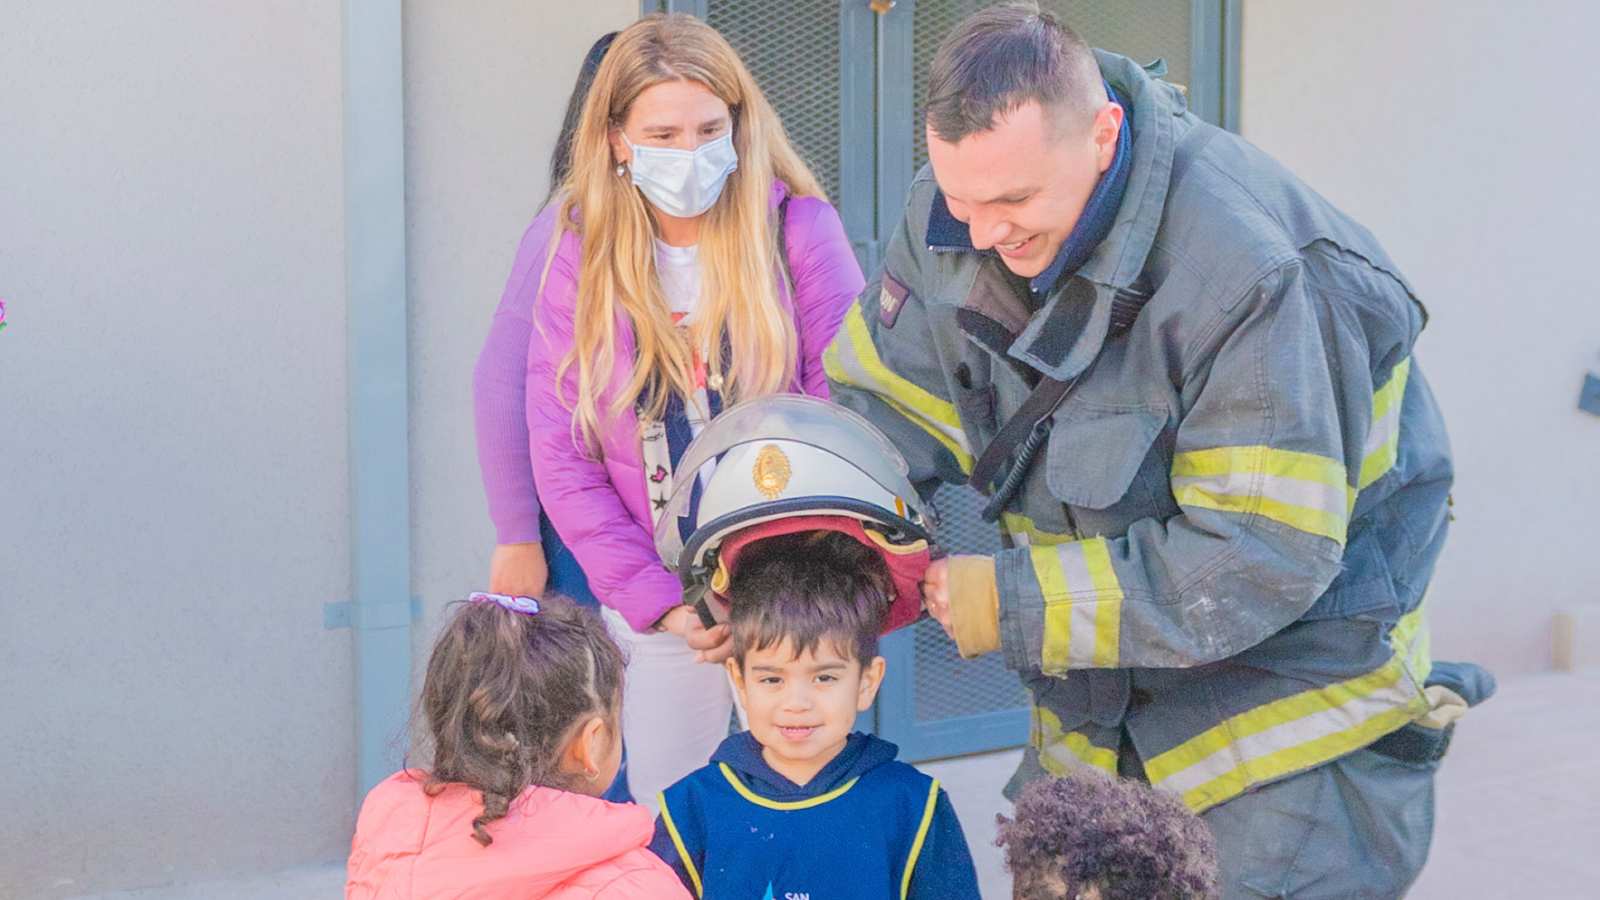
[173,505]
[174,470]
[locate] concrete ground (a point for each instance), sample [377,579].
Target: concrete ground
[1518,807]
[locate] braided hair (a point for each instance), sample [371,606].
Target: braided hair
[504,694]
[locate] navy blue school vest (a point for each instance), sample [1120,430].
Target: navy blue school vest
[860,839]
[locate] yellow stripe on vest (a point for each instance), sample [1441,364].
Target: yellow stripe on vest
[922,836]
[807,803]
[677,841]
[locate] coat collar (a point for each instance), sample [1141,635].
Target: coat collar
[1066,334]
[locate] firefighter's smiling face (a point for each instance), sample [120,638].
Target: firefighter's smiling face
[803,706]
[1021,185]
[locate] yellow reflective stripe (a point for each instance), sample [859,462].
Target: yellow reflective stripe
[852,359]
[1298,758]
[1412,639]
[1051,742]
[1259,459]
[922,836]
[1382,447]
[1302,490]
[1082,605]
[1055,652]
[1288,735]
[677,841]
[1387,398]
[759,800]
[1023,531]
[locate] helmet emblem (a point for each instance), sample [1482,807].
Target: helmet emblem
[771,471]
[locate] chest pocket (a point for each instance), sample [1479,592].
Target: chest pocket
[1110,465]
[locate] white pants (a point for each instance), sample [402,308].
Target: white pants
[674,710]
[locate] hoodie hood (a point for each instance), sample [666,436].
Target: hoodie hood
[861,754]
[408,844]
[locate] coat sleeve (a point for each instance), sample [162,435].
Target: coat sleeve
[618,557]
[499,400]
[944,868]
[826,279]
[1284,431]
[883,365]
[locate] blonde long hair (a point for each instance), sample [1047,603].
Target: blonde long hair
[738,239]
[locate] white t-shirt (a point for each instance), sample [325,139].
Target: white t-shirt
[679,271]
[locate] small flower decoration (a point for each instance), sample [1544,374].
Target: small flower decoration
[2,315]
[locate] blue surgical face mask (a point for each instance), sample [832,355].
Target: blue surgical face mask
[683,183]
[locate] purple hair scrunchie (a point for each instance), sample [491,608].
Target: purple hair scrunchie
[525,605]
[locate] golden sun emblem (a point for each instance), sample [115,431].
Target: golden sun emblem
[771,471]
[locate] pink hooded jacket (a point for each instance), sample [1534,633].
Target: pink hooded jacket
[551,845]
[601,507]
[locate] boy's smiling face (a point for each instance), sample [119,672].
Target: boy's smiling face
[802,707]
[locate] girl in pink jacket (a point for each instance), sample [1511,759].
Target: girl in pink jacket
[688,261]
[523,700]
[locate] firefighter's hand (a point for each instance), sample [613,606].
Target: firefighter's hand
[936,593]
[518,570]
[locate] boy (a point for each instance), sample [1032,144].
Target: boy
[800,806]
[1092,837]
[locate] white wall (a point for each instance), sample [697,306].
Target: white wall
[174,505]
[1462,132]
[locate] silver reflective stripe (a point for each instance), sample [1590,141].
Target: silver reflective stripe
[1293,491]
[1075,569]
[1295,733]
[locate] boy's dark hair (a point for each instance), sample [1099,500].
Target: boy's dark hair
[805,588]
[1122,837]
[1001,58]
[504,692]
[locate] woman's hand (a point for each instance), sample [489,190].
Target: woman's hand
[711,645]
[518,570]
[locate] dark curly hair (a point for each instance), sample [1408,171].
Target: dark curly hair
[806,587]
[506,691]
[1088,832]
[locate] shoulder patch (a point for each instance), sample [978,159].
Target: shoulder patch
[891,299]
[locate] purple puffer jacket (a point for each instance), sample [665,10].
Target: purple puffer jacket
[600,507]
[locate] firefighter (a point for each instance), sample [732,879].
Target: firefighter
[1186,383]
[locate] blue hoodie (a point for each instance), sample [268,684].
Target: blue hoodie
[865,827]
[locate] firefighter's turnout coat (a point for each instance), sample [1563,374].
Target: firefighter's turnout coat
[1221,551]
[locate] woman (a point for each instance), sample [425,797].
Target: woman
[664,244]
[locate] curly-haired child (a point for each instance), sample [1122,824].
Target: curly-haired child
[523,702]
[1094,837]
